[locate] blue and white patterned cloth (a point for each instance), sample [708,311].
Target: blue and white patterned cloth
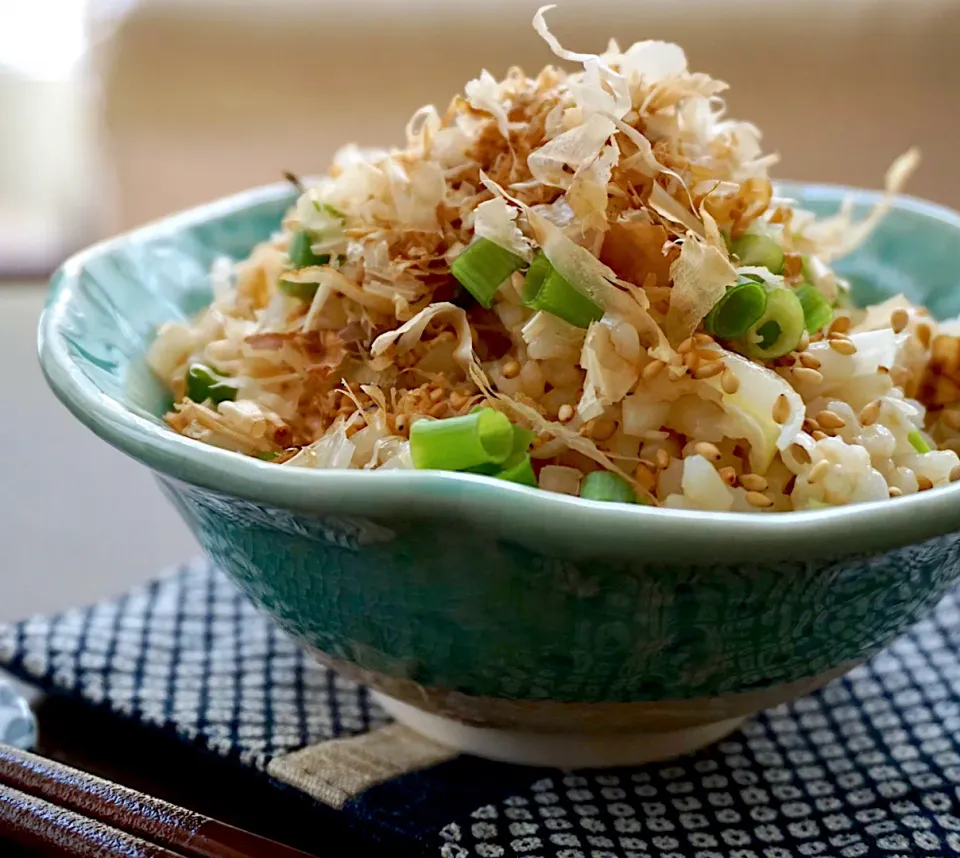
[870,766]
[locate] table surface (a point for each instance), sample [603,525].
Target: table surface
[85,521]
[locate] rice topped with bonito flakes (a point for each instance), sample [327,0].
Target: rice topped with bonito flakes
[581,282]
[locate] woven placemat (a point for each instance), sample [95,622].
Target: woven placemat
[868,766]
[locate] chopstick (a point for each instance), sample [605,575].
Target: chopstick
[46,829]
[44,802]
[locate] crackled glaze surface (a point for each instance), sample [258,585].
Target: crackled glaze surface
[479,587]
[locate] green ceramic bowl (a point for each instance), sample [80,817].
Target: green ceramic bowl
[496,616]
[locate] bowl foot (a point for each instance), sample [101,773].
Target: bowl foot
[556,750]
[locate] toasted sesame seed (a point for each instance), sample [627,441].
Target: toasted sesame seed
[603,429]
[511,369]
[707,450]
[401,421]
[924,334]
[436,394]
[652,369]
[729,475]
[955,474]
[819,435]
[899,319]
[869,413]
[924,483]
[807,375]
[810,425]
[895,492]
[565,413]
[703,340]
[818,471]
[708,370]
[754,482]
[781,409]
[804,343]
[439,410]
[830,420]
[843,347]
[685,346]
[800,454]
[841,325]
[758,499]
[458,400]
[708,355]
[691,361]
[729,381]
[809,361]
[663,457]
[645,476]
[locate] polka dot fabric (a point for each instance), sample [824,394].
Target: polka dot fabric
[870,766]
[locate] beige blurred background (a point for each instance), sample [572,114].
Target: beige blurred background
[115,112]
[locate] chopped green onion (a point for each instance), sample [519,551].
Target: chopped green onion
[459,443]
[522,438]
[301,252]
[544,289]
[817,311]
[203,384]
[303,291]
[753,249]
[607,486]
[737,310]
[779,330]
[329,209]
[918,442]
[269,456]
[518,469]
[521,443]
[483,267]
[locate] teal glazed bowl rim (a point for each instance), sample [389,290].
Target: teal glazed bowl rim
[528,516]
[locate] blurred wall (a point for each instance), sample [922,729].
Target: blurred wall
[204,97]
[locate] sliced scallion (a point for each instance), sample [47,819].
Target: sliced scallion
[521,443]
[458,443]
[607,486]
[737,310]
[918,442]
[303,291]
[203,384]
[518,469]
[483,267]
[817,311]
[301,252]
[753,249]
[778,331]
[544,289]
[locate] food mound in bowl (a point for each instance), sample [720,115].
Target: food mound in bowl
[579,282]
